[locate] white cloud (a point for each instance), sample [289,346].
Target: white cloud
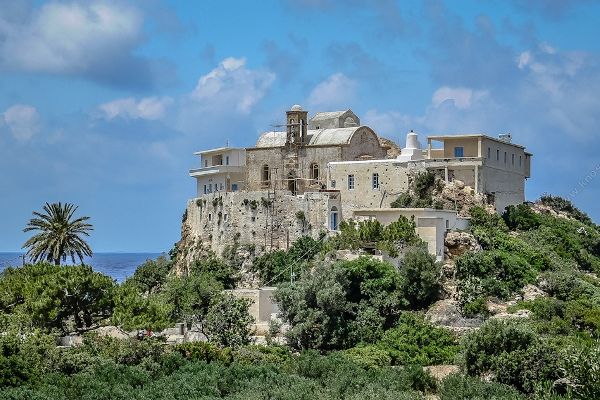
[335,91]
[23,121]
[75,38]
[148,108]
[463,98]
[232,85]
[390,123]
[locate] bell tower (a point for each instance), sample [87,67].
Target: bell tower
[297,126]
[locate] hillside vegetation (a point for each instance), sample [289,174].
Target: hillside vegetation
[355,329]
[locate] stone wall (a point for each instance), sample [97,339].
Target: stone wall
[394,179]
[298,163]
[218,220]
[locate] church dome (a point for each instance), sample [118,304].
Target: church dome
[296,107]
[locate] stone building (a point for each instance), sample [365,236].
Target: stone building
[295,159]
[304,179]
[221,170]
[495,168]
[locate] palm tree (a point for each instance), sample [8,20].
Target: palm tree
[59,235]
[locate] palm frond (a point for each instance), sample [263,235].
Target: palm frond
[59,235]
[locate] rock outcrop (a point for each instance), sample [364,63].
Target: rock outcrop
[457,243]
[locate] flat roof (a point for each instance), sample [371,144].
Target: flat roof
[471,135]
[217,150]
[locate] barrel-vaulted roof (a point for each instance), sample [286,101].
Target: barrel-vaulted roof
[316,137]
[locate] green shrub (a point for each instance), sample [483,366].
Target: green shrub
[498,272]
[581,365]
[459,387]
[414,341]
[369,356]
[511,353]
[404,200]
[520,217]
[202,351]
[422,278]
[336,306]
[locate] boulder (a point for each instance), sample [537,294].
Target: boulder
[457,243]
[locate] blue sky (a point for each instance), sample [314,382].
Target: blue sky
[102,103]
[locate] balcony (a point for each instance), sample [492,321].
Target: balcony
[217,169]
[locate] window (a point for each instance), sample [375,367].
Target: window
[234,187]
[350,182]
[459,152]
[497,155]
[209,217]
[205,163]
[447,224]
[520,159]
[513,159]
[489,153]
[221,186]
[225,217]
[375,181]
[226,160]
[504,157]
[265,173]
[216,187]
[333,184]
[314,171]
[205,190]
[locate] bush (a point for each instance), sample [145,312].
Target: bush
[337,306]
[414,341]
[422,277]
[510,353]
[459,387]
[369,356]
[497,272]
[581,366]
[226,274]
[520,217]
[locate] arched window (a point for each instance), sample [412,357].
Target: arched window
[266,174]
[314,171]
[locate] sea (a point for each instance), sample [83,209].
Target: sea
[119,266]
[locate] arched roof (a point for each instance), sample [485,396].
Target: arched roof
[316,137]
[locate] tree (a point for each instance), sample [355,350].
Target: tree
[334,307]
[422,278]
[59,234]
[151,276]
[49,296]
[191,296]
[227,322]
[133,310]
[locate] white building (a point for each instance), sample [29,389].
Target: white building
[221,170]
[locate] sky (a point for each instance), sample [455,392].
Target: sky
[103,103]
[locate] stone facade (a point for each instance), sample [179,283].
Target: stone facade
[218,220]
[369,184]
[305,179]
[296,159]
